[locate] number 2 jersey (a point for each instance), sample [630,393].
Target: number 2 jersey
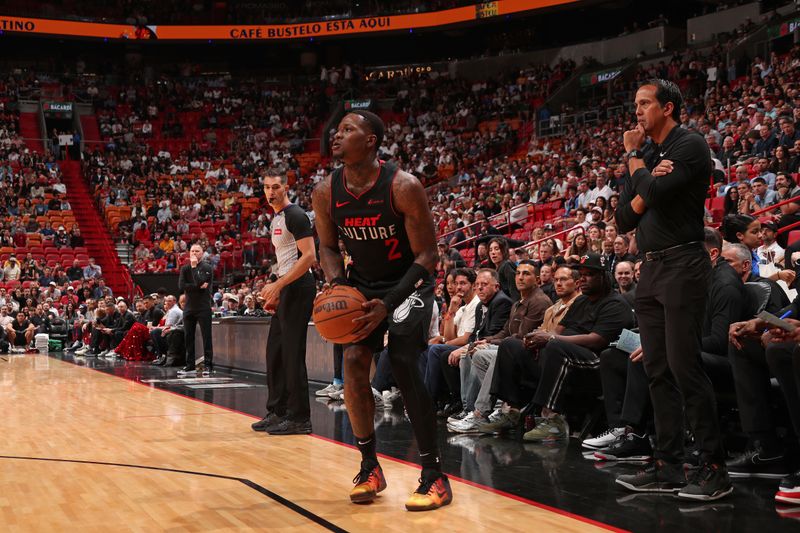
[373,233]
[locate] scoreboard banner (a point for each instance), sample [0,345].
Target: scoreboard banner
[595,78]
[270,32]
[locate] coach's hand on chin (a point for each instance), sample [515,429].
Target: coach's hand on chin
[634,139]
[375,314]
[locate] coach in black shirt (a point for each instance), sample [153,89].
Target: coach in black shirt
[195,281]
[666,208]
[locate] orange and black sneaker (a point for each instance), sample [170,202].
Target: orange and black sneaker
[369,482]
[432,493]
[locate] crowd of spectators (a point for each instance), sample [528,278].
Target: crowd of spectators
[161,195]
[46,273]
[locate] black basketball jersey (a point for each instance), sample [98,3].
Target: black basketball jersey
[374,234]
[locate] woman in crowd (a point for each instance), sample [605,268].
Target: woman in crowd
[498,255]
[577,248]
[745,229]
[731,203]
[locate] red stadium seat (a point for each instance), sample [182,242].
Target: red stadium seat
[794,236]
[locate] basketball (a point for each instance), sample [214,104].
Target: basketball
[334,311]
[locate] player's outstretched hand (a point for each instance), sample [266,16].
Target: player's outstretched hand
[375,314]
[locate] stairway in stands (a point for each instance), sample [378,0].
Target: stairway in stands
[94,231]
[29,129]
[91,132]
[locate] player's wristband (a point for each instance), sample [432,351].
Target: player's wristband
[405,286]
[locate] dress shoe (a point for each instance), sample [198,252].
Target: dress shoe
[450,409]
[290,427]
[187,370]
[159,362]
[266,423]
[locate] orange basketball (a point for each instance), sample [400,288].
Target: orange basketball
[334,311]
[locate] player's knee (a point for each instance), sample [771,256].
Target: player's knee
[356,363]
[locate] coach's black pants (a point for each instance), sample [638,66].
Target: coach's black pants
[670,304]
[287,377]
[191,319]
[625,390]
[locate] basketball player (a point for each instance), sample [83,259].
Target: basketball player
[382,216]
[292,295]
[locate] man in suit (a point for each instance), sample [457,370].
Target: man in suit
[195,282]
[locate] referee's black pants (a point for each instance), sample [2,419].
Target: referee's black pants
[670,305]
[287,377]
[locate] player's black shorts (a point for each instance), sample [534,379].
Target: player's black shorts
[410,321]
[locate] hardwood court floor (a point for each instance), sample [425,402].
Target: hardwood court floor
[86,451]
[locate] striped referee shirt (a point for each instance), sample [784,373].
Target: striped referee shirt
[289,226]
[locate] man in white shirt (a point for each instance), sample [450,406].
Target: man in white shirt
[601,189]
[458,325]
[559,188]
[584,194]
[173,323]
[5,317]
[770,251]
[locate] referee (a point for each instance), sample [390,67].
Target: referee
[292,296]
[663,201]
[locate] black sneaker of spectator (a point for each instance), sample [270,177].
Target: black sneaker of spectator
[450,409]
[758,463]
[629,447]
[709,482]
[659,477]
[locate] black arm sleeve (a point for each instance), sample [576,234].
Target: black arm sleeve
[405,286]
[727,305]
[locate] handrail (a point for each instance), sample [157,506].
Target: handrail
[505,213]
[788,228]
[506,224]
[774,206]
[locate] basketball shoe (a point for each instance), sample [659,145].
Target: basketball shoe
[369,482]
[433,492]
